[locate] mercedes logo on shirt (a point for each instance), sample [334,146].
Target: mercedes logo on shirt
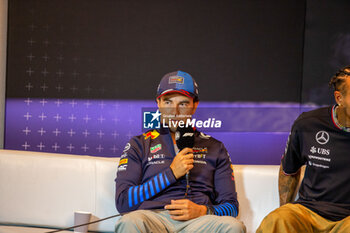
[322,137]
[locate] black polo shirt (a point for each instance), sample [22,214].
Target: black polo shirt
[318,141]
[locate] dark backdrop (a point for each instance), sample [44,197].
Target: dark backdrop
[327,47]
[236,50]
[79,72]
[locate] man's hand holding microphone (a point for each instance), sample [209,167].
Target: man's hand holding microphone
[184,209]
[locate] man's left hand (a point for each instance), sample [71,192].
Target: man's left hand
[184,209]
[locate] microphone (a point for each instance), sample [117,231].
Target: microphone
[184,137]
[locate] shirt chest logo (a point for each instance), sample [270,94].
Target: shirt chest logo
[199,155]
[322,137]
[320,151]
[156,148]
[156,159]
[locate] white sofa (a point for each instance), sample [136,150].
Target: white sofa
[39,191]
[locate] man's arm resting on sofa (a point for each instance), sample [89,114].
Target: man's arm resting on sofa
[287,185]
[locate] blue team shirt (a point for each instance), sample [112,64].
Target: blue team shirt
[145,180]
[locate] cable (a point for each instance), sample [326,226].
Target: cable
[187,185]
[100,220]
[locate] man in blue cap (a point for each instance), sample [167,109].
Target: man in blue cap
[161,188]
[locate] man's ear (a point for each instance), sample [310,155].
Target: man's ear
[338,97]
[195,105]
[158,102]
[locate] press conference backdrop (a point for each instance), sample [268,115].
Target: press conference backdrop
[79,73]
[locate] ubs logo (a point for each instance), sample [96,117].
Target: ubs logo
[320,151]
[322,137]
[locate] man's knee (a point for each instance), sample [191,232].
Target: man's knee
[141,221]
[134,216]
[230,225]
[342,226]
[131,222]
[281,218]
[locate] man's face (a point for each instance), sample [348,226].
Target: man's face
[343,99]
[176,107]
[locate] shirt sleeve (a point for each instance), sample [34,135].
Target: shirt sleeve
[292,158]
[130,192]
[226,203]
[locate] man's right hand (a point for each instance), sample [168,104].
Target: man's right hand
[182,163]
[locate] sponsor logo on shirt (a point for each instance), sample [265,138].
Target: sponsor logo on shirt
[123,161]
[198,150]
[155,162]
[319,158]
[123,164]
[127,147]
[156,159]
[156,156]
[320,151]
[318,165]
[199,155]
[322,137]
[156,148]
[232,174]
[122,168]
[204,136]
[313,150]
[152,134]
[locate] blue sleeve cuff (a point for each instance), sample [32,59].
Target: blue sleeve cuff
[225,209]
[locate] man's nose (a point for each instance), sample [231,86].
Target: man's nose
[175,110]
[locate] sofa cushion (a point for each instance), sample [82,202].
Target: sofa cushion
[257,190]
[16,229]
[45,189]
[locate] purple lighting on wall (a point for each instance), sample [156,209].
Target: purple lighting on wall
[103,127]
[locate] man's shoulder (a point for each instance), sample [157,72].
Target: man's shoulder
[143,140]
[319,114]
[207,139]
[148,135]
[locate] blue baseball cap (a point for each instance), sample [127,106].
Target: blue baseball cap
[180,82]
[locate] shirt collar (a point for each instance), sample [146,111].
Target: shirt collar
[336,122]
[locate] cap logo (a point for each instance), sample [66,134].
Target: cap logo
[176,79]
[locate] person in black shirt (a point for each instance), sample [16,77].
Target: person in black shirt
[319,139]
